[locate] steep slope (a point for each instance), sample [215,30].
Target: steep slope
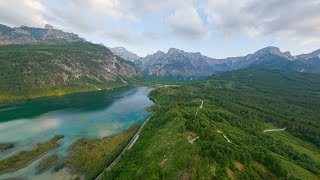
[226,138]
[314,54]
[42,69]
[125,54]
[24,35]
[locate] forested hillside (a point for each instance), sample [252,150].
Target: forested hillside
[253,124]
[57,67]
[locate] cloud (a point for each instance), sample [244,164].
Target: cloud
[139,7]
[22,12]
[128,21]
[94,15]
[186,22]
[293,19]
[105,9]
[123,35]
[120,35]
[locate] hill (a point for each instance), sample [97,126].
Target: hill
[56,68]
[254,123]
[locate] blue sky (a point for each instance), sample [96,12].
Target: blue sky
[216,28]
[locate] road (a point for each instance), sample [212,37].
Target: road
[270,130]
[199,107]
[129,145]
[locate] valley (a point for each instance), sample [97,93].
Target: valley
[168,115]
[228,130]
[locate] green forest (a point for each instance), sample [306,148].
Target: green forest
[226,137]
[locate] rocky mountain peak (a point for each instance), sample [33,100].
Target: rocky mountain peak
[269,50]
[120,48]
[273,50]
[314,54]
[124,54]
[174,51]
[48,26]
[26,35]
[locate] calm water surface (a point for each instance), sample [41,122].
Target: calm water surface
[89,115]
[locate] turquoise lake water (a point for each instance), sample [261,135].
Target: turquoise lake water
[81,115]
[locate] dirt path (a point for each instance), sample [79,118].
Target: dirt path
[224,136]
[199,107]
[168,85]
[271,130]
[191,140]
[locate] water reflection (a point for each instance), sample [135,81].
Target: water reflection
[88,115]
[89,101]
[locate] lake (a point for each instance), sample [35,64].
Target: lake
[82,115]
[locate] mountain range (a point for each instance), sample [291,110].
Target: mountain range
[42,61]
[182,65]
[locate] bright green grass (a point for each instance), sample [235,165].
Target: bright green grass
[298,145]
[297,171]
[169,151]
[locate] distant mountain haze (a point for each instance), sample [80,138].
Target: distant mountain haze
[178,64]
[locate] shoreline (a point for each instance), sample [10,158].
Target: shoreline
[16,101]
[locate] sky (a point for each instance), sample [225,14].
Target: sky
[216,28]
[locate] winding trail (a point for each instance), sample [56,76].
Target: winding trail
[271,130]
[199,107]
[224,136]
[129,145]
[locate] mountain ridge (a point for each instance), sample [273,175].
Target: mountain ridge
[26,35]
[124,53]
[178,64]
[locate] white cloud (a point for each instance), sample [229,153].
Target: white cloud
[294,19]
[148,6]
[186,22]
[120,35]
[105,9]
[22,12]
